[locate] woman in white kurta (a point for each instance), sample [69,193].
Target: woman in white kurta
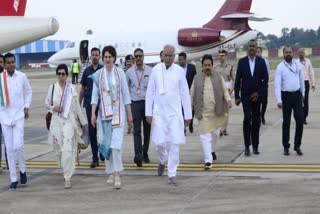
[67,118]
[110,90]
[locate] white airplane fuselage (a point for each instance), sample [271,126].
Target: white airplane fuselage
[152,44]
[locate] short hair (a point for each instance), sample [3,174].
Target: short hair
[161,52]
[95,49]
[62,67]
[183,54]
[111,50]
[137,49]
[259,48]
[128,57]
[207,57]
[8,55]
[287,47]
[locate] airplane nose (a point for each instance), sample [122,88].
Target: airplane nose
[52,60]
[53,25]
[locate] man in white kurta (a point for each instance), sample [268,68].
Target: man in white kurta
[16,95]
[167,92]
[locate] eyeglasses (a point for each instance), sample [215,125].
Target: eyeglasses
[59,74]
[138,56]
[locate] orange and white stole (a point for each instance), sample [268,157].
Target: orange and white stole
[4,91]
[66,100]
[110,97]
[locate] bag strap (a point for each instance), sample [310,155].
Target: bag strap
[52,94]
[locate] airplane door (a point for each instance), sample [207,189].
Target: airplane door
[84,51]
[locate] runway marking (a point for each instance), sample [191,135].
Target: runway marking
[193,167]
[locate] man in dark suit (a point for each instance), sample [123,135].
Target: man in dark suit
[190,72]
[252,81]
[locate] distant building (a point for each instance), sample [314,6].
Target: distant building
[37,53]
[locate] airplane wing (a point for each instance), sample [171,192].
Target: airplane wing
[249,16]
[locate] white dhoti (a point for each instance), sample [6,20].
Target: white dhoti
[14,141]
[208,141]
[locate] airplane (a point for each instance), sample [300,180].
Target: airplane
[17,30]
[228,29]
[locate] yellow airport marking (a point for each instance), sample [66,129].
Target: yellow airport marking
[195,167]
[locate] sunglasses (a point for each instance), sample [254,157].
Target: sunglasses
[138,56]
[59,74]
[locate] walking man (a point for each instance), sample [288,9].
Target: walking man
[289,90]
[189,71]
[167,92]
[75,69]
[251,81]
[264,97]
[137,77]
[210,99]
[226,71]
[16,94]
[85,96]
[309,79]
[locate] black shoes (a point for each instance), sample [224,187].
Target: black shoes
[146,159]
[298,151]
[138,161]
[161,169]
[255,151]
[286,151]
[247,151]
[23,178]
[13,186]
[263,121]
[207,166]
[191,128]
[94,164]
[305,122]
[214,156]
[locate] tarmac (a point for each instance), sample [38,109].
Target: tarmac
[265,183]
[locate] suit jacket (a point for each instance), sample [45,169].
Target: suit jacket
[248,84]
[191,72]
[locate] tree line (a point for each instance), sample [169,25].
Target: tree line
[295,37]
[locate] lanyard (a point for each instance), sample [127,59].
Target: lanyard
[139,79]
[291,68]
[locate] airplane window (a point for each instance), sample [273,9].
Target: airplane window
[116,45]
[70,45]
[139,44]
[133,44]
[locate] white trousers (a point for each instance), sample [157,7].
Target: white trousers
[172,159]
[208,140]
[14,140]
[67,161]
[114,164]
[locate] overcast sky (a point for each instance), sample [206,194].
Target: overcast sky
[103,16]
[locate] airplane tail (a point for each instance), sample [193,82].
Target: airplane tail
[233,15]
[13,7]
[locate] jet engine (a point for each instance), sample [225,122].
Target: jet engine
[191,37]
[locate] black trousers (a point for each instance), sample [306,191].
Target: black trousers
[75,78]
[264,103]
[306,100]
[292,101]
[92,136]
[251,122]
[139,116]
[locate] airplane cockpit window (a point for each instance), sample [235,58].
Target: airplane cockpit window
[70,45]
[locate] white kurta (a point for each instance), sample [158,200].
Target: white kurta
[65,133]
[12,120]
[167,93]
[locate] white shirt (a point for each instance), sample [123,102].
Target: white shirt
[288,77]
[185,68]
[20,94]
[252,63]
[308,71]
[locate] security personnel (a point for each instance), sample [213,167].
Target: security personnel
[75,72]
[226,71]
